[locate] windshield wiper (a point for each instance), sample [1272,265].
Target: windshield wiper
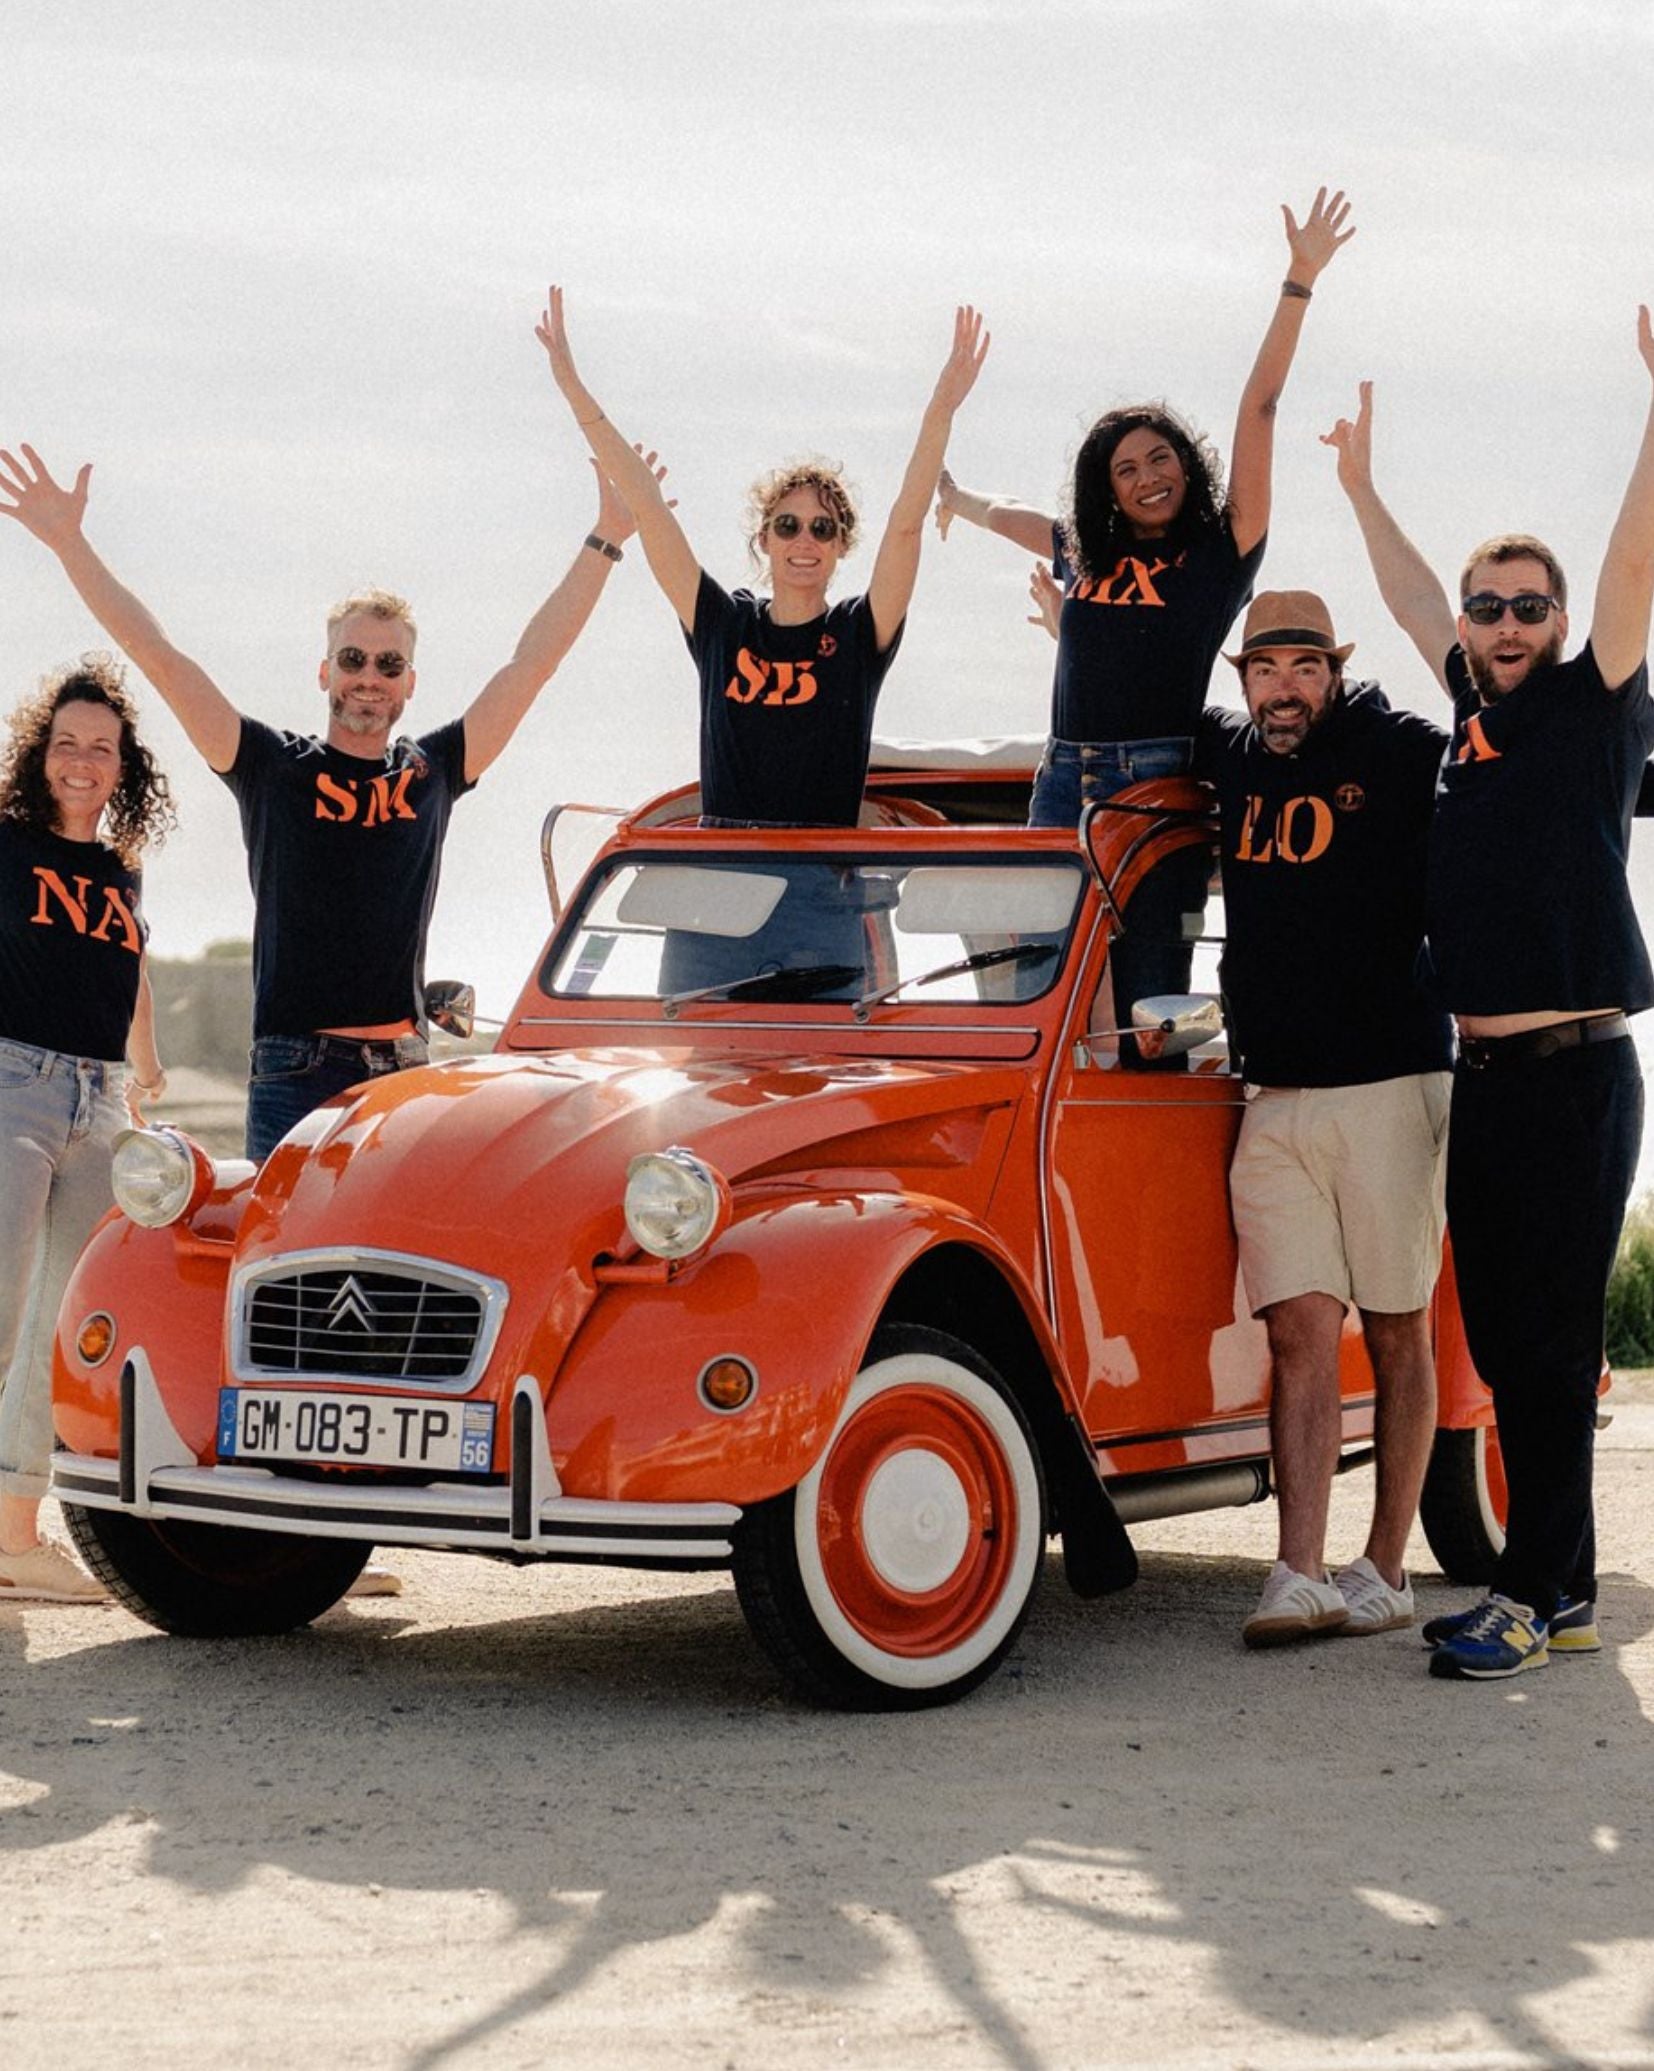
[979,960]
[790,982]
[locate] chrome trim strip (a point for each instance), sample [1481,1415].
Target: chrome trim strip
[862,1028]
[493,1294]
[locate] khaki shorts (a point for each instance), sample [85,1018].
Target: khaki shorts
[1338,1190]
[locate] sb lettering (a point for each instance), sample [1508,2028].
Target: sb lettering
[1300,832]
[772,683]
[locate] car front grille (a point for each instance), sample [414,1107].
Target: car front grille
[363,1323]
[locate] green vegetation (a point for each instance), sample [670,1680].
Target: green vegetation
[1631,1290]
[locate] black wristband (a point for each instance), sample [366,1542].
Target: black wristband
[605,547]
[1298,294]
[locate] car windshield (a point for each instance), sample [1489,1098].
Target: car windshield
[788,928]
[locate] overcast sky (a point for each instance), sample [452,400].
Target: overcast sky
[275,271]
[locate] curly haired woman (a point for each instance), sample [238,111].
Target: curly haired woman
[80,798]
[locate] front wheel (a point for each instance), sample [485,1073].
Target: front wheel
[897,1573]
[1464,1503]
[208,1581]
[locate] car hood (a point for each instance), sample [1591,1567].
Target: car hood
[475,1160]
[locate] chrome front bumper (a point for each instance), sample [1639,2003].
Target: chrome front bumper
[156,1475]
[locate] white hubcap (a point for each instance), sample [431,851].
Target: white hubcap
[915,1521]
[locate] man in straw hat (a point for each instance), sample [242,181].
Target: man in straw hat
[1538,953]
[1325,798]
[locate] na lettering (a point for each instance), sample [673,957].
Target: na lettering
[77,909]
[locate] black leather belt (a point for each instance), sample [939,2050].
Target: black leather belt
[1529,1045]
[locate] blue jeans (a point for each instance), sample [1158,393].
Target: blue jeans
[59,1116]
[1153,955]
[291,1075]
[1075,774]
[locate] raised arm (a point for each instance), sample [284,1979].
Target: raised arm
[1413,595]
[55,516]
[1310,247]
[1018,522]
[897,564]
[671,558]
[1625,588]
[499,708]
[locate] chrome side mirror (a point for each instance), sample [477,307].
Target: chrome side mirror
[451,1005]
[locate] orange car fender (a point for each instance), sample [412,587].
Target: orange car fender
[794,1288]
[165,1291]
[1462,1398]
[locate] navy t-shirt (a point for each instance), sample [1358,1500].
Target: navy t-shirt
[1135,647]
[71,943]
[786,711]
[343,853]
[1529,905]
[1324,858]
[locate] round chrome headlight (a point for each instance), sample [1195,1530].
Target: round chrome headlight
[674,1203]
[155,1175]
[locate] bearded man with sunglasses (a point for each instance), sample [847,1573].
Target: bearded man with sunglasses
[344,832]
[1537,952]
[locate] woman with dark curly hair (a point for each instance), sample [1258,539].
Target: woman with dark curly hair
[1153,559]
[1153,562]
[80,798]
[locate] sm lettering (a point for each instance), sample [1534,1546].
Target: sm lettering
[378,800]
[1299,832]
[116,921]
[772,683]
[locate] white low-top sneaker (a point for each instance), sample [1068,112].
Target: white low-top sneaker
[1294,1607]
[46,1575]
[1374,1605]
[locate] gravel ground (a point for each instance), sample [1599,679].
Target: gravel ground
[536,1818]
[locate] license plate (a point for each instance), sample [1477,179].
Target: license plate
[258,1424]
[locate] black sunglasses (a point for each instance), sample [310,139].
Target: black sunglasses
[353,660]
[788,525]
[1528,608]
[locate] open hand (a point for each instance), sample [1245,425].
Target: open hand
[553,335]
[1046,593]
[52,513]
[970,349]
[1314,241]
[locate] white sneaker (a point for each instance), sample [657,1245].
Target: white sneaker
[1374,1605]
[46,1575]
[1294,1607]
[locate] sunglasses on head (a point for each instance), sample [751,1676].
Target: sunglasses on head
[788,525]
[1528,608]
[353,660]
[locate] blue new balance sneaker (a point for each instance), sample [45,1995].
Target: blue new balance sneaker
[1573,1628]
[1498,1638]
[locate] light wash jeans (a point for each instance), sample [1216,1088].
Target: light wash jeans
[58,1121]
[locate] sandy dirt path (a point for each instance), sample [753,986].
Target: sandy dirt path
[558,1817]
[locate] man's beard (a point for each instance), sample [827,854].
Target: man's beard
[380,720]
[1481,669]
